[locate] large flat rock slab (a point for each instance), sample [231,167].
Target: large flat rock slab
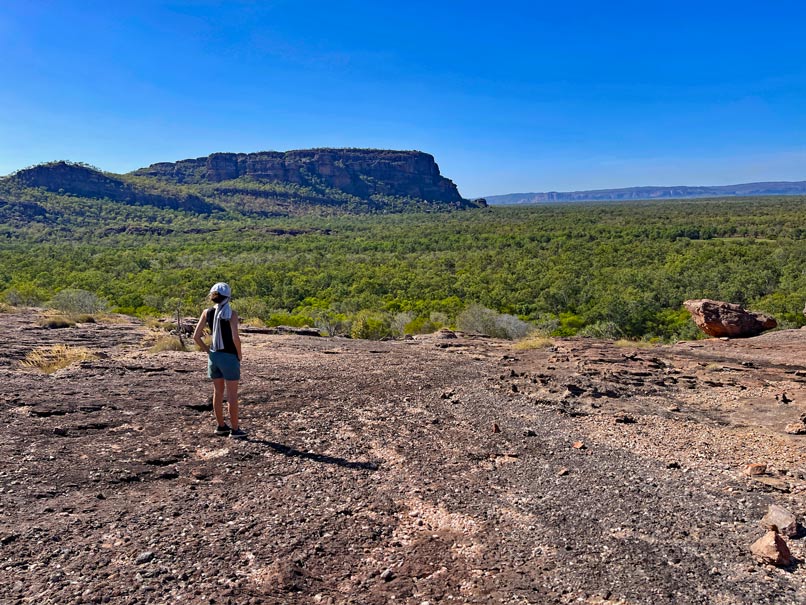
[372,473]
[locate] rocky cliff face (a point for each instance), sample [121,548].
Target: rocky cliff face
[359,172]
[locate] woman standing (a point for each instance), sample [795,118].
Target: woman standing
[224,357]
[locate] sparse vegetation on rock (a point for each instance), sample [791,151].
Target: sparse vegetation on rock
[446,468]
[52,358]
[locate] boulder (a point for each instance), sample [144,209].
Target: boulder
[720,319]
[771,548]
[757,468]
[797,428]
[781,520]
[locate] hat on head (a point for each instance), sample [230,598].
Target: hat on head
[222,289]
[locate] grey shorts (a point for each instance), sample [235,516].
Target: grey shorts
[223,365]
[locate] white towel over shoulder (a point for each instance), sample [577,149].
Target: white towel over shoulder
[222,311]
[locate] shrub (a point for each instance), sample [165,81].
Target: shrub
[168,343]
[6,308]
[477,318]
[534,341]
[56,357]
[400,321]
[283,318]
[426,325]
[57,321]
[84,319]
[371,326]
[570,324]
[77,301]
[601,329]
[252,307]
[252,322]
[25,296]
[331,323]
[546,324]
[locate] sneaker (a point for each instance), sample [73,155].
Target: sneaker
[222,431]
[238,434]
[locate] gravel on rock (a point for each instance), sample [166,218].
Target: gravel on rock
[400,472]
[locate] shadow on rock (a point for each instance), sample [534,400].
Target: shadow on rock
[287,450]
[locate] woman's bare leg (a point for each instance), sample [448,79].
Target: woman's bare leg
[218,400]
[232,402]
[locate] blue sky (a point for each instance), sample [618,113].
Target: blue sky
[508,96]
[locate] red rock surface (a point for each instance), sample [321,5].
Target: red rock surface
[771,548]
[371,474]
[722,319]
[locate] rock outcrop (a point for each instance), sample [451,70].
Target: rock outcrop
[359,172]
[717,318]
[84,181]
[366,456]
[771,548]
[781,520]
[267,183]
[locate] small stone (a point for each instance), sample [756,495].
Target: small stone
[578,445]
[795,428]
[755,469]
[388,575]
[673,465]
[625,419]
[529,433]
[496,428]
[60,432]
[781,520]
[771,548]
[563,472]
[144,557]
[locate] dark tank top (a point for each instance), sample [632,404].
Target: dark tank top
[226,332]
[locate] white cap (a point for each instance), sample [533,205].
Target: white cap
[222,289]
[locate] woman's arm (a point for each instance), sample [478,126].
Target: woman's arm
[236,338]
[197,334]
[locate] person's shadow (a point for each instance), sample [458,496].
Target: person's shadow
[287,450]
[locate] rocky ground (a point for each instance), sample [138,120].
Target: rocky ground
[436,470]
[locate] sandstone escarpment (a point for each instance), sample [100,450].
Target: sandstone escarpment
[359,172]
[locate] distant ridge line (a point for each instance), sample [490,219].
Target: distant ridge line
[652,193]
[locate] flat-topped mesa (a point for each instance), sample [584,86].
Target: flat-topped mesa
[359,172]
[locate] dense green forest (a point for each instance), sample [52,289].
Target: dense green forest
[611,270]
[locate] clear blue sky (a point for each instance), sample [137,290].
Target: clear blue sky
[508,96]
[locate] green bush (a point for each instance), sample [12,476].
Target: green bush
[370,325]
[77,301]
[25,296]
[570,324]
[601,329]
[283,318]
[482,320]
[426,325]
